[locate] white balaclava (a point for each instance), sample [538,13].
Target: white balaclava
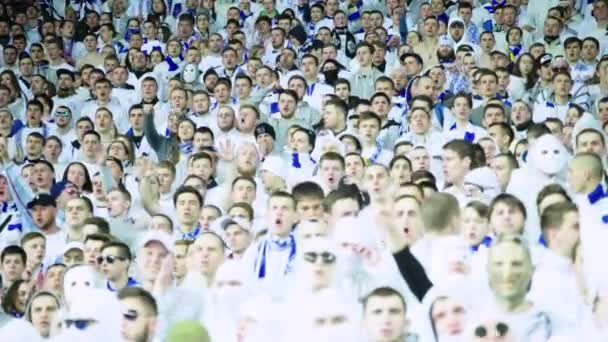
[548,155]
[352,231]
[98,305]
[228,292]
[78,278]
[327,305]
[190,73]
[306,272]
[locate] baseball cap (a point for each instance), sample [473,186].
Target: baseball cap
[163,238]
[44,200]
[58,188]
[498,52]
[72,245]
[546,58]
[265,128]
[225,222]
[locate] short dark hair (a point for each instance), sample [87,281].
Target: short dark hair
[144,296]
[536,130]
[331,155]
[122,247]
[463,148]
[508,200]
[245,206]
[185,189]
[553,216]
[100,222]
[13,250]
[244,178]
[552,189]
[384,292]
[305,190]
[339,194]
[506,129]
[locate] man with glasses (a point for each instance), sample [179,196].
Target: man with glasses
[139,315]
[62,127]
[114,263]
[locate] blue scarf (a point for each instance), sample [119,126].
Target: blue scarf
[372,159]
[596,195]
[185,148]
[295,160]
[190,236]
[279,244]
[468,136]
[172,65]
[487,241]
[130,283]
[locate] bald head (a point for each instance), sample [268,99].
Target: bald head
[591,163]
[585,172]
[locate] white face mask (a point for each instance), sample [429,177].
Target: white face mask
[190,73]
[78,279]
[548,155]
[551,161]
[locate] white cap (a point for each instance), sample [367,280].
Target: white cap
[72,245]
[274,165]
[483,177]
[227,221]
[165,239]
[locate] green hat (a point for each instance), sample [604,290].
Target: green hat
[187,331]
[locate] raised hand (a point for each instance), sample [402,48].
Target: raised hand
[165,275]
[226,150]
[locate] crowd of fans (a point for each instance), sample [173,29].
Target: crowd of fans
[294,170]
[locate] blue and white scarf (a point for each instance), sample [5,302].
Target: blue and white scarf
[279,244]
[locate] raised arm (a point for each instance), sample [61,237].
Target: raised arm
[410,268]
[155,140]
[20,191]
[413,273]
[148,190]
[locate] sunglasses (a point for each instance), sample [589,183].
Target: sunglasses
[80,324]
[109,259]
[130,315]
[326,257]
[62,113]
[501,330]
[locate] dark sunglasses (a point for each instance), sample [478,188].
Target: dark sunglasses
[79,324]
[109,259]
[62,113]
[326,257]
[130,315]
[501,330]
